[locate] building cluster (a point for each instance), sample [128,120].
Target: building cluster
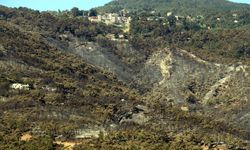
[110,18]
[120,18]
[198,18]
[151,18]
[235,20]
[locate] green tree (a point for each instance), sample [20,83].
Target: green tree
[75,12]
[243,51]
[92,12]
[172,21]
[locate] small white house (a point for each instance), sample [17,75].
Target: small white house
[236,21]
[153,12]
[169,14]
[94,19]
[235,15]
[18,86]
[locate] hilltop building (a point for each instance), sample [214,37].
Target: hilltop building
[110,18]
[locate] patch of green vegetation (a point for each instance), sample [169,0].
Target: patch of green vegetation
[222,45]
[182,7]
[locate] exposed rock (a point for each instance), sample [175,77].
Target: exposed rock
[123,100]
[213,89]
[215,146]
[67,145]
[90,133]
[183,108]
[231,72]
[1,47]
[50,89]
[141,108]
[3,99]
[163,61]
[137,115]
[26,137]
[213,81]
[139,118]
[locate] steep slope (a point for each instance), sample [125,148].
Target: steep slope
[60,86]
[46,88]
[178,77]
[184,74]
[197,85]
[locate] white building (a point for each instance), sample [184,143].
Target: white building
[169,14]
[111,18]
[94,19]
[18,86]
[236,21]
[235,15]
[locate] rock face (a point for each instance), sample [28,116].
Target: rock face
[184,108]
[232,73]
[168,74]
[90,133]
[136,115]
[26,137]
[138,118]
[186,74]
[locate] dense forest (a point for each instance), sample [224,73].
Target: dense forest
[180,7]
[214,30]
[218,42]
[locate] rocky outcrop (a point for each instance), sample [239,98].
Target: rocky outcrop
[183,75]
[167,74]
[137,114]
[90,133]
[139,118]
[231,74]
